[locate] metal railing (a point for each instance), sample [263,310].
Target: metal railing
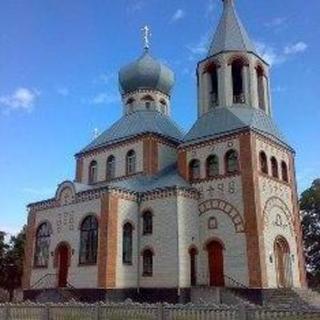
[233,283]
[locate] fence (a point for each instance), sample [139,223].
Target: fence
[132,311]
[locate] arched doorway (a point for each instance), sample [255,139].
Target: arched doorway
[215,258]
[283,263]
[62,261]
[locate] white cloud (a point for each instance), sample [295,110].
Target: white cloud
[296,48]
[21,98]
[199,48]
[105,98]
[178,15]
[277,56]
[277,22]
[63,91]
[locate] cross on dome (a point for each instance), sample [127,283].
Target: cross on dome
[146,33]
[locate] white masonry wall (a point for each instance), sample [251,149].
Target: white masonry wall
[119,152]
[65,222]
[167,155]
[276,200]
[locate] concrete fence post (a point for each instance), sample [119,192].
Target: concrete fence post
[242,312]
[47,312]
[97,311]
[7,312]
[160,312]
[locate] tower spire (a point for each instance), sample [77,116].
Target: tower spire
[231,34]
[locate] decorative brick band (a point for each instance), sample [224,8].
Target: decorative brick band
[227,208]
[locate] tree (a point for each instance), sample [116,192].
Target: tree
[12,262]
[310,210]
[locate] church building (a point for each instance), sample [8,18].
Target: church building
[154,211]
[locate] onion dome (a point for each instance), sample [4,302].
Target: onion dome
[146,73]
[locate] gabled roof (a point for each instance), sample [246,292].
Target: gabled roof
[230,34]
[224,120]
[137,123]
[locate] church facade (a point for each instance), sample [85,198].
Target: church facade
[154,209]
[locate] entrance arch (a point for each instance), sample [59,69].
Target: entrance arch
[283,263]
[215,258]
[62,262]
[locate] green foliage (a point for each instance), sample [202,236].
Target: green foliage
[310,210]
[11,261]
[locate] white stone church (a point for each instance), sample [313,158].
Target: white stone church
[153,211]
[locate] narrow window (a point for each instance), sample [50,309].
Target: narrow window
[163,106]
[212,166]
[130,103]
[93,172]
[284,169]
[263,163]
[260,88]
[194,170]
[147,263]
[193,266]
[147,223]
[43,235]
[213,85]
[127,243]
[131,162]
[111,167]
[231,161]
[89,240]
[148,100]
[237,81]
[274,167]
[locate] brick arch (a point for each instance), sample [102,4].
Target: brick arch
[244,60]
[225,207]
[275,202]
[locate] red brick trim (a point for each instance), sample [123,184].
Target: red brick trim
[297,223]
[29,251]
[182,164]
[150,156]
[108,237]
[252,212]
[79,170]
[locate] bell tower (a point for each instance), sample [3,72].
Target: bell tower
[233,73]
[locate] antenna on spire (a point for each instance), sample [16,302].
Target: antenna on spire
[146,33]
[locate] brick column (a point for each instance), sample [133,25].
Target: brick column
[182,164]
[79,169]
[108,237]
[28,251]
[150,156]
[252,212]
[297,223]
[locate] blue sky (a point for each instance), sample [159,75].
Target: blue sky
[58,78]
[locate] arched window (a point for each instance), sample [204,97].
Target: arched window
[284,169]
[130,103]
[213,84]
[212,166]
[148,101]
[237,81]
[111,167]
[263,162]
[231,161]
[147,263]
[42,246]
[131,162]
[260,88]
[88,240]
[163,106]
[147,222]
[194,170]
[93,171]
[274,167]
[127,243]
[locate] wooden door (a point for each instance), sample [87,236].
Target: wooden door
[283,263]
[215,257]
[63,260]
